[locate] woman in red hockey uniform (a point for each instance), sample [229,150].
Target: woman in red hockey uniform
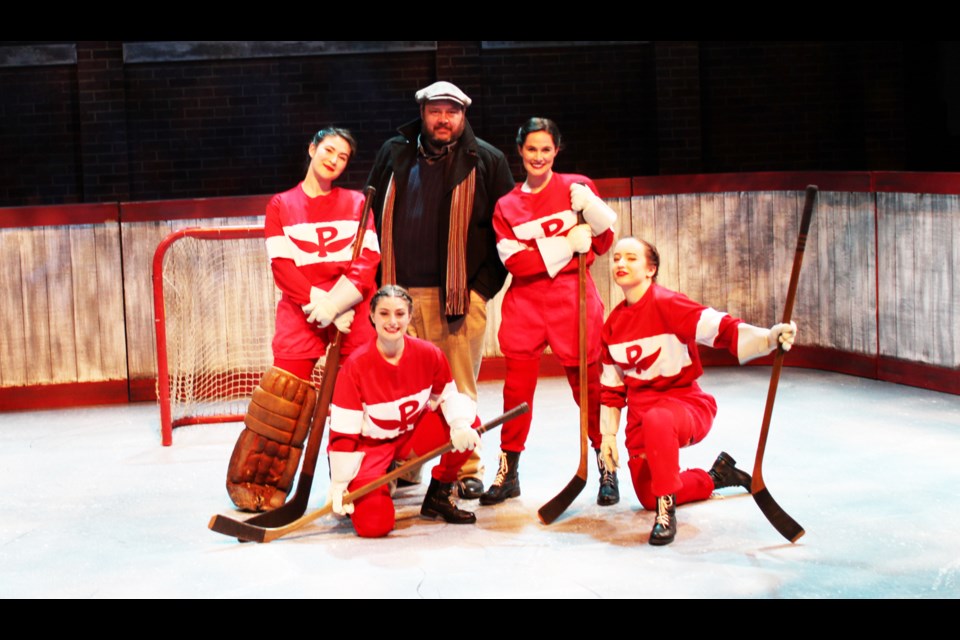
[539,239]
[310,232]
[651,366]
[395,399]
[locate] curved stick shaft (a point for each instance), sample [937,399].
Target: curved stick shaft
[782,522]
[559,503]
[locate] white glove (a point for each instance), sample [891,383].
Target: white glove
[783,334]
[335,496]
[609,425]
[323,313]
[580,238]
[596,213]
[344,466]
[460,412]
[344,320]
[327,305]
[317,296]
[609,453]
[464,439]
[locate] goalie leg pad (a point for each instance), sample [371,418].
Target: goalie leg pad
[267,453]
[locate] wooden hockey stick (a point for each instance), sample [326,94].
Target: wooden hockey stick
[250,532]
[781,521]
[559,503]
[296,506]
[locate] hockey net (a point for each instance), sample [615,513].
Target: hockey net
[215,303]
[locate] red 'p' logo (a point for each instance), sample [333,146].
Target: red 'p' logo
[326,243]
[551,227]
[407,411]
[633,354]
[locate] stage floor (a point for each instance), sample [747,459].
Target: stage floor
[94,507]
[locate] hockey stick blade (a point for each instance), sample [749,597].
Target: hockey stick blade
[780,519]
[553,509]
[245,531]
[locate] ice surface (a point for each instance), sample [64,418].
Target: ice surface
[94,507]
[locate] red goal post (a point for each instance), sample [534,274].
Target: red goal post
[214,310]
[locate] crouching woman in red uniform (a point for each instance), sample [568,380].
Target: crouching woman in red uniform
[395,398]
[651,366]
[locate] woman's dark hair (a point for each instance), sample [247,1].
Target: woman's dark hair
[340,132]
[649,252]
[540,124]
[390,291]
[652,256]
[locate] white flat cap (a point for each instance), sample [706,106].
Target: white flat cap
[443,90]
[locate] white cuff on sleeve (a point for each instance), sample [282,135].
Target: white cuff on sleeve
[609,420]
[599,216]
[344,294]
[345,465]
[752,342]
[556,253]
[459,410]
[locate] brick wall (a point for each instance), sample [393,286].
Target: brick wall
[39,139]
[103,129]
[242,126]
[102,114]
[801,106]
[601,97]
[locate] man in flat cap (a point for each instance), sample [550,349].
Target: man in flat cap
[437,185]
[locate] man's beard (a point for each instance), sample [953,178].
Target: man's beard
[438,145]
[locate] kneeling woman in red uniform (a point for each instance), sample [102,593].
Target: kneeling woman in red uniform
[651,366]
[538,239]
[395,398]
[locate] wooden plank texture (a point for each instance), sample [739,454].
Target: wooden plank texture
[13,344]
[712,259]
[60,301]
[918,292]
[111,326]
[36,339]
[879,279]
[63,316]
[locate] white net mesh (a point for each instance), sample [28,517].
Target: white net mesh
[219,303]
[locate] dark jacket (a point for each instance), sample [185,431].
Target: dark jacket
[485,271]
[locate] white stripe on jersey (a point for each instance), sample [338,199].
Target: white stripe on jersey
[448,389]
[391,418]
[313,243]
[545,227]
[612,376]
[667,356]
[708,327]
[507,248]
[348,421]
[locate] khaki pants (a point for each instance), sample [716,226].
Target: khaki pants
[461,342]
